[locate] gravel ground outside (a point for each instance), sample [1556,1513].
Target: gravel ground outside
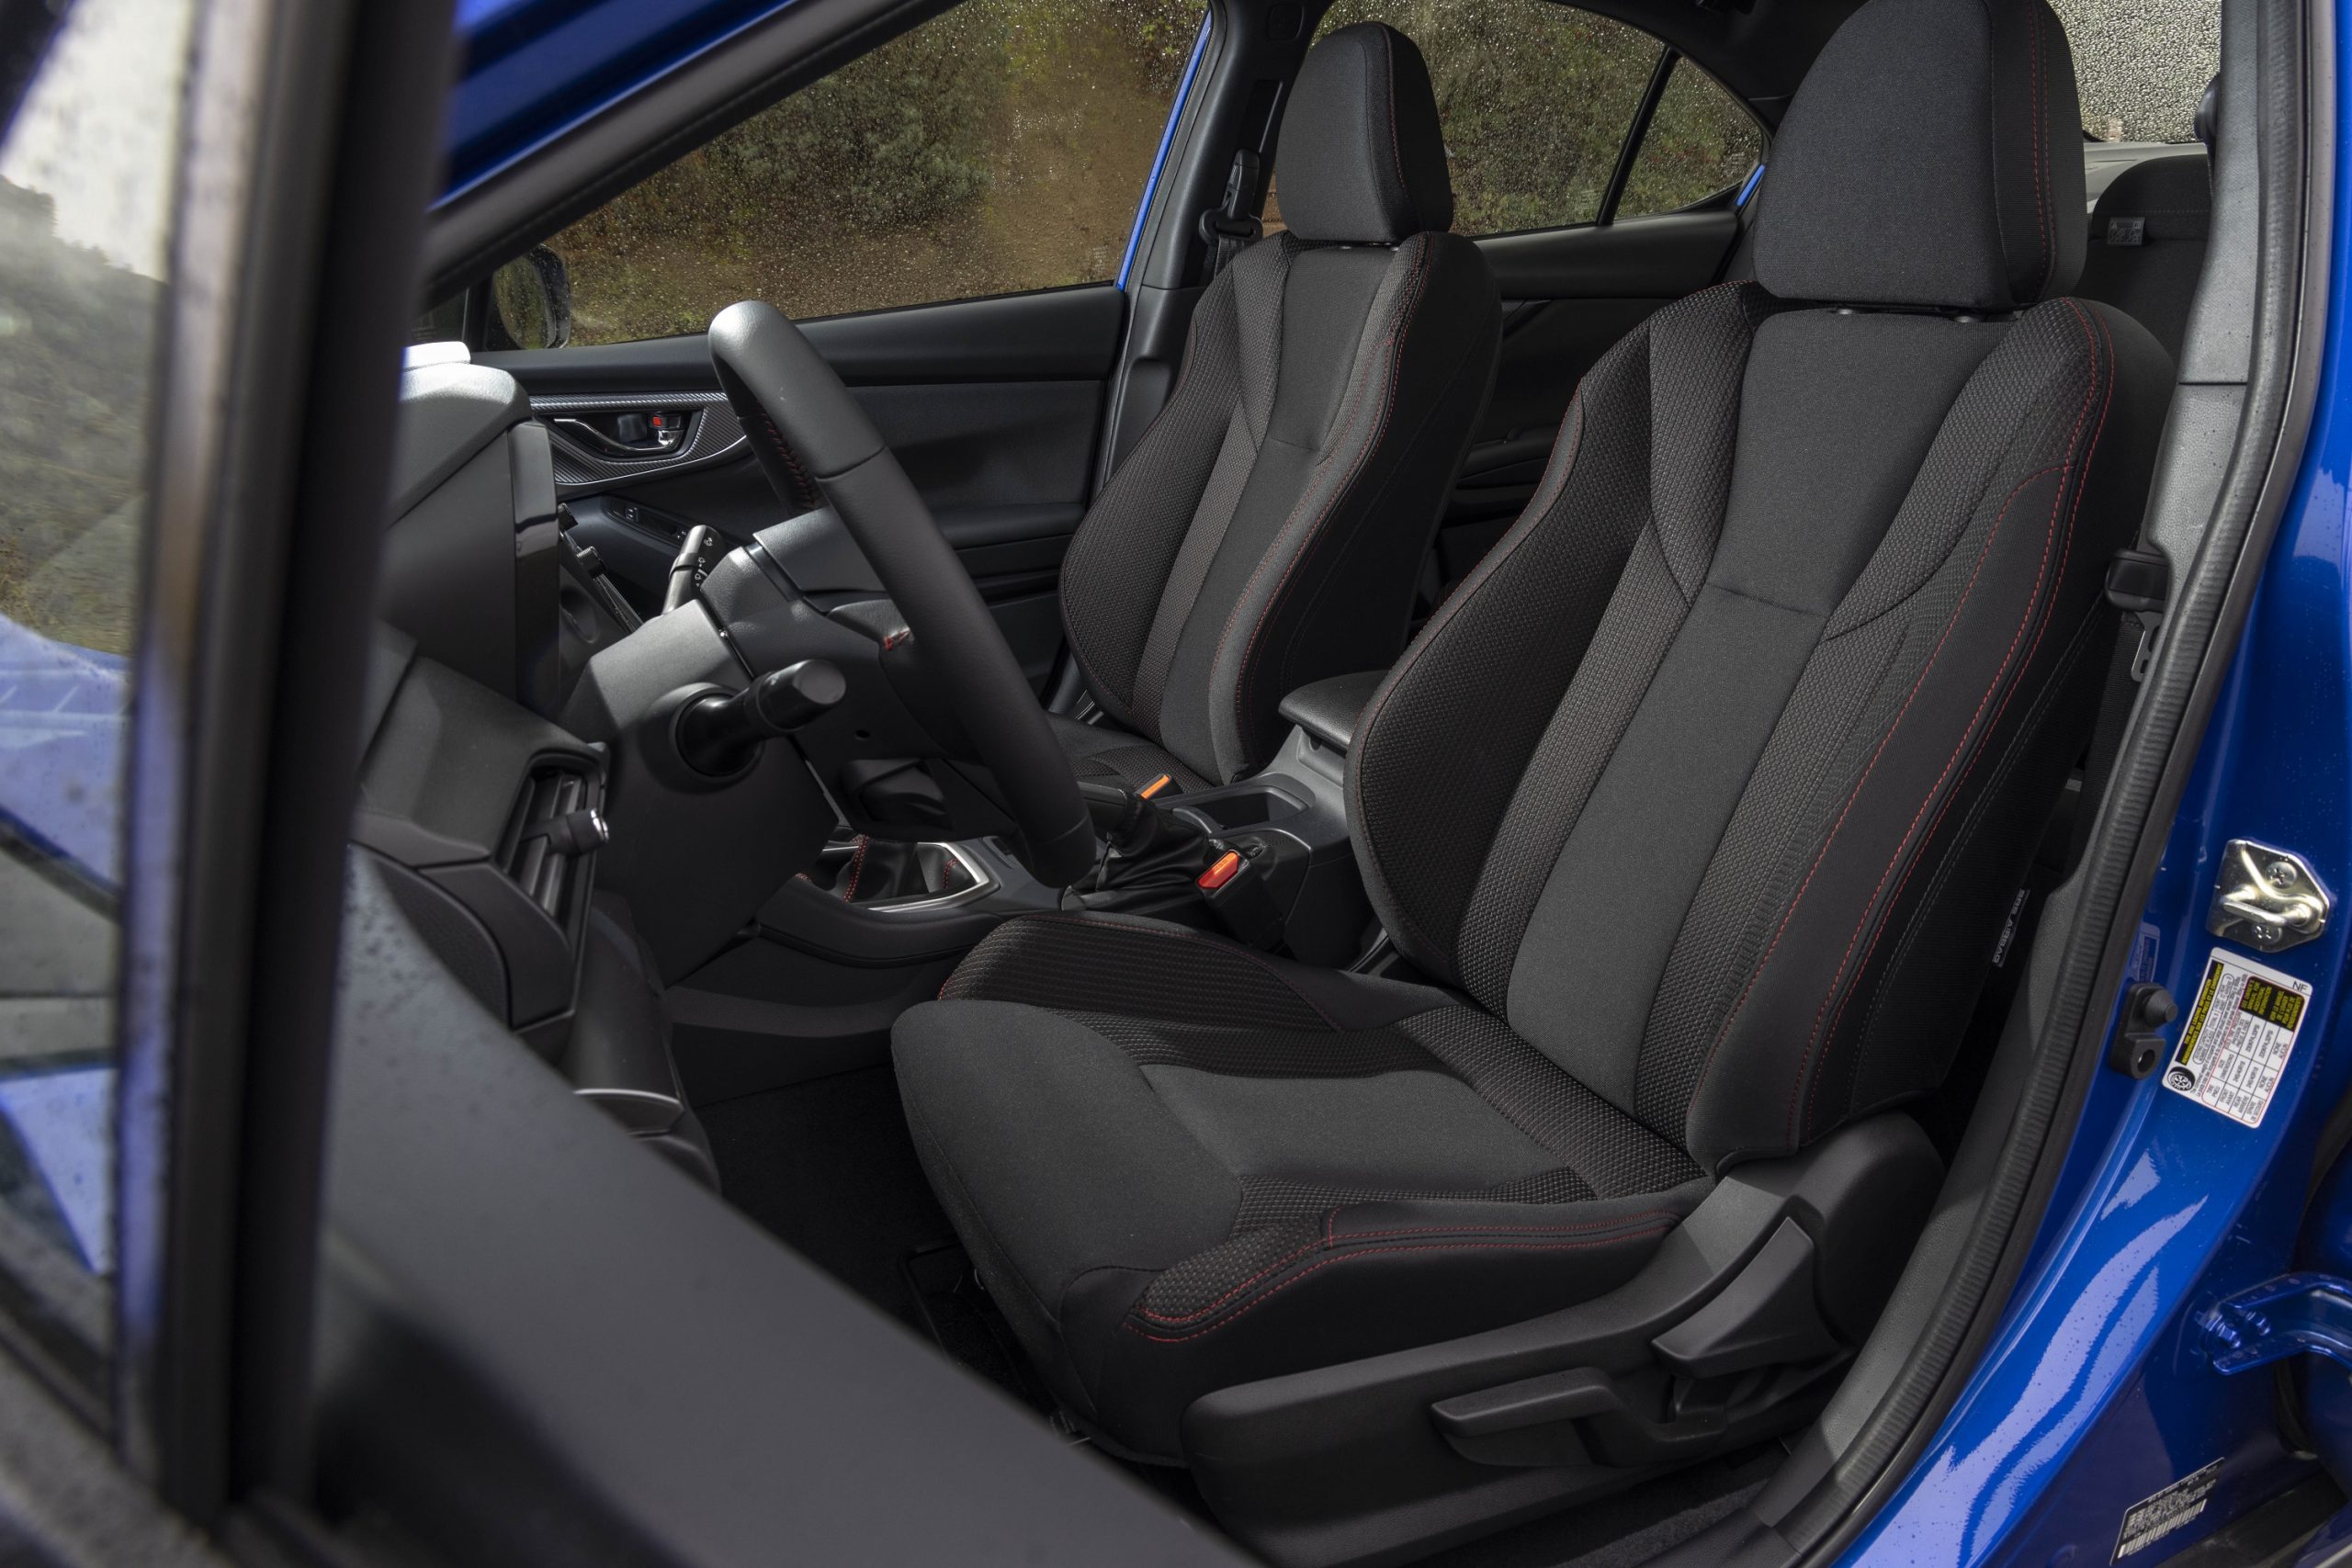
[2142,64]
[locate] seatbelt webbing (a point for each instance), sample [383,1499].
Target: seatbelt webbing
[1230,226]
[2138,584]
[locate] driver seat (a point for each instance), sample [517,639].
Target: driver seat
[1699,803]
[1269,527]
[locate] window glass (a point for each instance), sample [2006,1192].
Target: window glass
[1535,99]
[87,175]
[1700,140]
[1001,146]
[2140,68]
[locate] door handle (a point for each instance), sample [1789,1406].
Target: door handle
[649,433]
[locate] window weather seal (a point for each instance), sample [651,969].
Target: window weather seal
[1667,58]
[1166,139]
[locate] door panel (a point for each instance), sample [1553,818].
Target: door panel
[992,406]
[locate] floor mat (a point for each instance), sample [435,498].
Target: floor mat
[1632,1527]
[828,1166]
[953,1306]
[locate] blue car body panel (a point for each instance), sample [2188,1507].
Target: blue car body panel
[2098,1391]
[535,69]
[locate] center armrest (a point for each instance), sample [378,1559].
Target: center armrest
[1328,708]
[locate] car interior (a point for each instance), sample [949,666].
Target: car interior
[1383,877]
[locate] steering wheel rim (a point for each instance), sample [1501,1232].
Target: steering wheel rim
[816,436]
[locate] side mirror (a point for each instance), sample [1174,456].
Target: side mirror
[531,300]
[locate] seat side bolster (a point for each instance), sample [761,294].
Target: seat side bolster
[1789,1060]
[1334,594]
[1119,560]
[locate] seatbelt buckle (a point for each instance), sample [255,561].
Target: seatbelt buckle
[1234,886]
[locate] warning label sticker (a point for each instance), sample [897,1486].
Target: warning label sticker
[2241,1028]
[2147,1523]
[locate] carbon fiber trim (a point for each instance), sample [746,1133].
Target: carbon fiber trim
[715,434]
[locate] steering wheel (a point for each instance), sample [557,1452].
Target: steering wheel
[810,436]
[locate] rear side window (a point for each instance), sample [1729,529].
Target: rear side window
[1001,146]
[2140,69]
[1537,100]
[1699,141]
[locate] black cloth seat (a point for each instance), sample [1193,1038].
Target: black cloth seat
[1267,528]
[1700,800]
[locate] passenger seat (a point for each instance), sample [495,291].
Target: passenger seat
[2147,243]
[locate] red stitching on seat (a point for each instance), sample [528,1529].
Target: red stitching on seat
[1227,948]
[1788,915]
[1534,516]
[1315,534]
[1134,1328]
[2040,113]
[1707,1072]
[2007,695]
[1329,1239]
[1100,689]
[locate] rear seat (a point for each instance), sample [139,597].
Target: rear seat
[2148,243]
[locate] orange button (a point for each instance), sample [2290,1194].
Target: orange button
[1155,786]
[1220,872]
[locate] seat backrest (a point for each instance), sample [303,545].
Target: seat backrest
[1268,529]
[1717,777]
[2147,243]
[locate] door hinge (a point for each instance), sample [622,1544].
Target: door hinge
[2293,1314]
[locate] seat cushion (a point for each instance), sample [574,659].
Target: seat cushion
[1106,753]
[1182,1164]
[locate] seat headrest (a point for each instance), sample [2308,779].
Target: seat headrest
[1361,160]
[1933,156]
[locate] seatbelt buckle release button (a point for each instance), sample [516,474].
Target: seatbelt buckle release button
[1222,870]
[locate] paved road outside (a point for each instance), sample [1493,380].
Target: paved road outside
[2143,63]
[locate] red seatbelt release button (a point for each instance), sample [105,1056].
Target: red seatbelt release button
[1222,870]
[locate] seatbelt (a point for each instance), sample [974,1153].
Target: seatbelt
[2139,583]
[1230,225]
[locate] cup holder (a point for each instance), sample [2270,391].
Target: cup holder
[1245,806]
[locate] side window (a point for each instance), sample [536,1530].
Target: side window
[2140,70]
[1536,98]
[1700,140]
[87,173]
[1001,146]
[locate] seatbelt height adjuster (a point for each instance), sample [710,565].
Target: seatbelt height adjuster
[2139,583]
[1230,224]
